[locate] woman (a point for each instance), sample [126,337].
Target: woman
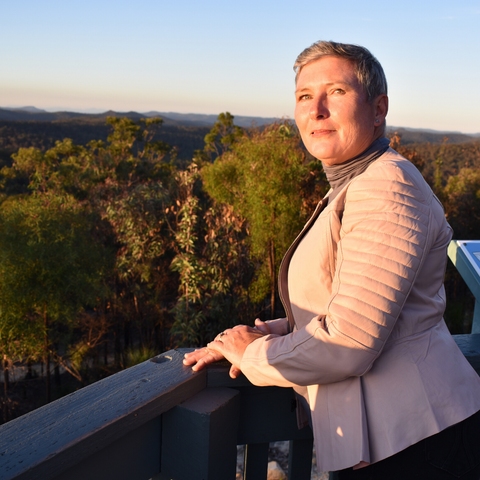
[364,343]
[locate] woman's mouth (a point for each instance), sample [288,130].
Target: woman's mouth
[321,132]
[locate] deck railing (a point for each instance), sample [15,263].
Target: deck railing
[156,420]
[159,420]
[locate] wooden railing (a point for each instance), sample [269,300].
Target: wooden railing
[156,420]
[159,420]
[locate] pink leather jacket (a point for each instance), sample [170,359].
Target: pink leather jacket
[363,290]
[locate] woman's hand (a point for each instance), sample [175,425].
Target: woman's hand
[202,357]
[233,342]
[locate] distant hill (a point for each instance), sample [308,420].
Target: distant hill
[31,126]
[30,113]
[26,109]
[43,135]
[202,120]
[170,118]
[412,135]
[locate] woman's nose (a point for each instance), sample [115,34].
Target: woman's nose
[318,109]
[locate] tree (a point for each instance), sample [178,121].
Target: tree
[462,203]
[261,178]
[51,268]
[211,262]
[125,182]
[220,139]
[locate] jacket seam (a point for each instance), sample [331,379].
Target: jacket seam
[383,220]
[378,267]
[351,284]
[352,235]
[363,316]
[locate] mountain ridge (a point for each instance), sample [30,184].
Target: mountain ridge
[31,113]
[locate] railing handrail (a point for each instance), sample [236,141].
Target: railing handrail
[55,440]
[46,441]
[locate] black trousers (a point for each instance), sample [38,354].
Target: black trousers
[454,453]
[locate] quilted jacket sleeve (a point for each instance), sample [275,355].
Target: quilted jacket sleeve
[390,224]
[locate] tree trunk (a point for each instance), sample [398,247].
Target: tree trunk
[6,378]
[6,383]
[58,378]
[56,368]
[272,278]
[46,354]
[105,352]
[29,375]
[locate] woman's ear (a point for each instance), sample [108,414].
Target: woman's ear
[381,108]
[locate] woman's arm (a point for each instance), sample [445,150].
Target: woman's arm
[389,225]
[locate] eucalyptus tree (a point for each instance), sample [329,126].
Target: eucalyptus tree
[211,262]
[125,182]
[261,177]
[51,268]
[220,139]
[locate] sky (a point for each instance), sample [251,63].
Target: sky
[210,56]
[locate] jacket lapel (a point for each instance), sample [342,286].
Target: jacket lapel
[283,273]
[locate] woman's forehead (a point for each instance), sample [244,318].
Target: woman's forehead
[327,70]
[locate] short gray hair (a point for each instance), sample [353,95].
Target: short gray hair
[368,70]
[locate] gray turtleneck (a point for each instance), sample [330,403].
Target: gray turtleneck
[339,175]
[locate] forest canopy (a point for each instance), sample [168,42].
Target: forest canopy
[116,248]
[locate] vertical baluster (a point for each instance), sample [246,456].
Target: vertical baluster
[256,461]
[300,459]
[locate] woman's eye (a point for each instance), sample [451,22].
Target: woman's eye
[339,91]
[304,97]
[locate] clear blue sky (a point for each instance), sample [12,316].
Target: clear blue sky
[212,56]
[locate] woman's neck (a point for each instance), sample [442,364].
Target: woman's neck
[339,175]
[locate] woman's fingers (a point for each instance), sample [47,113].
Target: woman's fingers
[202,357]
[229,344]
[262,326]
[233,343]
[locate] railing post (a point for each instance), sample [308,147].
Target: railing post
[199,437]
[463,255]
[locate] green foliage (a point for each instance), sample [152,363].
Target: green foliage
[220,138]
[139,355]
[188,318]
[50,267]
[212,265]
[454,156]
[137,217]
[124,184]
[260,177]
[462,203]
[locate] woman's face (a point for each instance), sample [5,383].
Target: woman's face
[332,113]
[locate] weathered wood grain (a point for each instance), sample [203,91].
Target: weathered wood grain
[46,442]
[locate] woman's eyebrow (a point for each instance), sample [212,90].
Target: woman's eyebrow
[327,84]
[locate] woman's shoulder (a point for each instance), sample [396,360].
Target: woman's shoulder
[392,174]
